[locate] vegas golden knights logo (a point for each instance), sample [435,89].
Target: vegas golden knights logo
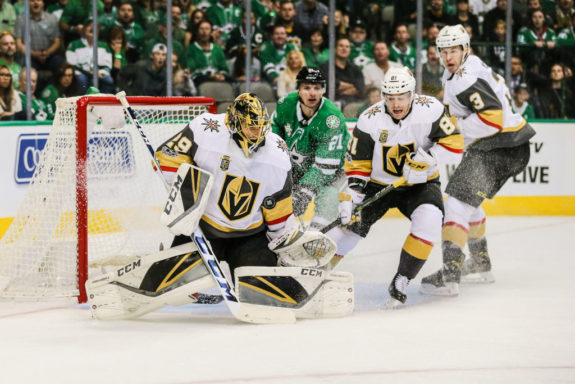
[225,163]
[394,157]
[237,196]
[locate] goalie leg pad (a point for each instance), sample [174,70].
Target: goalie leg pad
[170,277]
[305,292]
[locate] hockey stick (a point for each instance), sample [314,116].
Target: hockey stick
[206,253]
[398,183]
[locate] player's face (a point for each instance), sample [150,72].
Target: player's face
[310,94]
[398,105]
[251,132]
[452,57]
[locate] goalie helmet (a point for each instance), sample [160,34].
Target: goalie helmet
[453,36]
[248,121]
[397,81]
[310,75]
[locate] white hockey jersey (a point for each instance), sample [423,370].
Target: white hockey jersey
[379,145]
[248,193]
[480,99]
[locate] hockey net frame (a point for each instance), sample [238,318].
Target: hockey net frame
[16,245]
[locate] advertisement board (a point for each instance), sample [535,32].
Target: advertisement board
[546,187]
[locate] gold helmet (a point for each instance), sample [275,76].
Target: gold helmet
[248,121]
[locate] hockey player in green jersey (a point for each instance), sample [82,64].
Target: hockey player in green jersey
[316,134]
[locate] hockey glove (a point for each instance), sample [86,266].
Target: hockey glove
[419,166]
[301,199]
[348,200]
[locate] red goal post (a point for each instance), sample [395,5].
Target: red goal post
[94,200]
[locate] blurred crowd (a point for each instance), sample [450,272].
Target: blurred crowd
[208,44]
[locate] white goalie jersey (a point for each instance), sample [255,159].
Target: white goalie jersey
[380,144]
[480,99]
[249,193]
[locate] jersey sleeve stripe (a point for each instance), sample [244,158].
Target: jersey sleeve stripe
[357,173]
[514,129]
[493,118]
[280,211]
[326,171]
[451,149]
[278,221]
[358,167]
[172,162]
[327,162]
[453,143]
[169,169]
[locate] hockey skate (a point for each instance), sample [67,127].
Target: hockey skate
[397,291]
[445,282]
[477,270]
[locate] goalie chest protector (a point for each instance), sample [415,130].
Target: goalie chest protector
[241,184]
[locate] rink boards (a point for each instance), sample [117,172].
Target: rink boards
[546,187]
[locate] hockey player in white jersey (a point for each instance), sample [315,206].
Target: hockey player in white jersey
[398,137]
[496,148]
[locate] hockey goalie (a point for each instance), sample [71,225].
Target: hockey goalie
[231,178]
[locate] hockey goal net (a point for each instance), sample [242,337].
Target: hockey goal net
[94,199]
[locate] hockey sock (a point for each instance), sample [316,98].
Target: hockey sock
[413,255]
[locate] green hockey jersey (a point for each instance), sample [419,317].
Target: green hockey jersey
[317,146]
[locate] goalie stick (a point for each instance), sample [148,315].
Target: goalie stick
[398,183]
[206,253]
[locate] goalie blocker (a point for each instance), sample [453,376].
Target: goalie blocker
[172,277]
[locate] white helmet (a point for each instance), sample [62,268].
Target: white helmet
[397,81]
[453,36]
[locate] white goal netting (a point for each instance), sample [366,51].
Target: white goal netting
[41,253]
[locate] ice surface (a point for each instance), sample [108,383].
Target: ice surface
[521,329]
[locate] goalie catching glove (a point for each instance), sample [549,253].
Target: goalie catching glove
[296,248]
[419,167]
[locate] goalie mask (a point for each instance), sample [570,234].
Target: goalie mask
[453,36]
[248,121]
[398,91]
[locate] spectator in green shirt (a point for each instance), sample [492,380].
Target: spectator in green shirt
[75,14]
[39,111]
[8,55]
[63,85]
[401,50]
[135,34]
[315,50]
[536,41]
[521,102]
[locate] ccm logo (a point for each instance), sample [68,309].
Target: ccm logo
[311,272]
[29,149]
[129,267]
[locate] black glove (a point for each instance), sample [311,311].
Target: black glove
[301,199]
